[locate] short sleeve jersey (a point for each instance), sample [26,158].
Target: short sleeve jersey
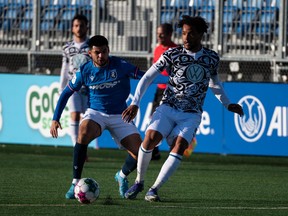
[71,49]
[108,86]
[189,77]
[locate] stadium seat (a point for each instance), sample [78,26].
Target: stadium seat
[26,23]
[50,14]
[207,13]
[267,22]
[247,20]
[230,16]
[11,17]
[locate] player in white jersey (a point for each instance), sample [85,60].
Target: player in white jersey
[107,79]
[77,104]
[192,69]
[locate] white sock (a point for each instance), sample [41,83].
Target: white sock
[96,144]
[144,157]
[169,167]
[74,128]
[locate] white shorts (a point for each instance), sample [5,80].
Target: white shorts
[78,102]
[172,123]
[113,123]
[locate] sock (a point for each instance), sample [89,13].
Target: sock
[144,157]
[80,152]
[129,166]
[169,167]
[74,128]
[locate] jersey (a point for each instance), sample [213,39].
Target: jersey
[109,86]
[190,74]
[69,50]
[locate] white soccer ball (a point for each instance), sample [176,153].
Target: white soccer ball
[86,190]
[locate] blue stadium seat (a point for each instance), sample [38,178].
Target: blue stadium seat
[11,17]
[26,23]
[207,13]
[230,16]
[247,20]
[268,22]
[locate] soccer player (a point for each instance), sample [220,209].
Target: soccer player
[78,102]
[107,80]
[193,68]
[164,35]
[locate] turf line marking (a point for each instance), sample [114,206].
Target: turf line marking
[169,206]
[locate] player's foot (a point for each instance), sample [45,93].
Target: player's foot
[156,154]
[134,190]
[70,192]
[123,184]
[152,196]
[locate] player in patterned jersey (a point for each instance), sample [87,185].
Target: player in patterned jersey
[107,79]
[193,68]
[78,102]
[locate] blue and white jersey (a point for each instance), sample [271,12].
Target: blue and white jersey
[190,74]
[108,86]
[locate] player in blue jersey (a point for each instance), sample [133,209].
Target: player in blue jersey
[77,104]
[192,69]
[107,79]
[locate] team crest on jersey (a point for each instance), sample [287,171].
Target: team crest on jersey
[91,77]
[113,74]
[73,79]
[195,73]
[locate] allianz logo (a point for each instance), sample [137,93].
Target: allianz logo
[252,126]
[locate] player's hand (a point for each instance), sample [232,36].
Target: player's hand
[130,113]
[236,108]
[54,128]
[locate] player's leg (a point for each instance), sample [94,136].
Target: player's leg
[157,99]
[169,167]
[127,136]
[75,106]
[88,131]
[181,136]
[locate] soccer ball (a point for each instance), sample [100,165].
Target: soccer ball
[86,190]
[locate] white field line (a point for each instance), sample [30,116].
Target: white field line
[164,206]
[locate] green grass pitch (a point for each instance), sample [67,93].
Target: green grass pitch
[34,180]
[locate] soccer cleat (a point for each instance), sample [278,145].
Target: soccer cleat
[70,192]
[134,190]
[123,184]
[152,196]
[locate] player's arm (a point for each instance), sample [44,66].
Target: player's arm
[130,113]
[218,90]
[62,101]
[64,72]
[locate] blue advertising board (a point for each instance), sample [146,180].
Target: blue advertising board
[27,104]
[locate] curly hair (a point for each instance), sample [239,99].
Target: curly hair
[199,23]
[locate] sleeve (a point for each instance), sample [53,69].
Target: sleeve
[62,101]
[143,84]
[218,90]
[64,72]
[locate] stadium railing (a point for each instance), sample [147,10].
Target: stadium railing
[239,30]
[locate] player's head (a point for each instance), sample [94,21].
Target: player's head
[80,26]
[164,33]
[193,29]
[99,50]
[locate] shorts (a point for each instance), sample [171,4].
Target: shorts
[113,123]
[172,123]
[78,102]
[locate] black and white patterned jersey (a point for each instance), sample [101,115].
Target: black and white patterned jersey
[69,50]
[190,74]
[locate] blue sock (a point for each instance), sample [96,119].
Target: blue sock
[129,165]
[80,152]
